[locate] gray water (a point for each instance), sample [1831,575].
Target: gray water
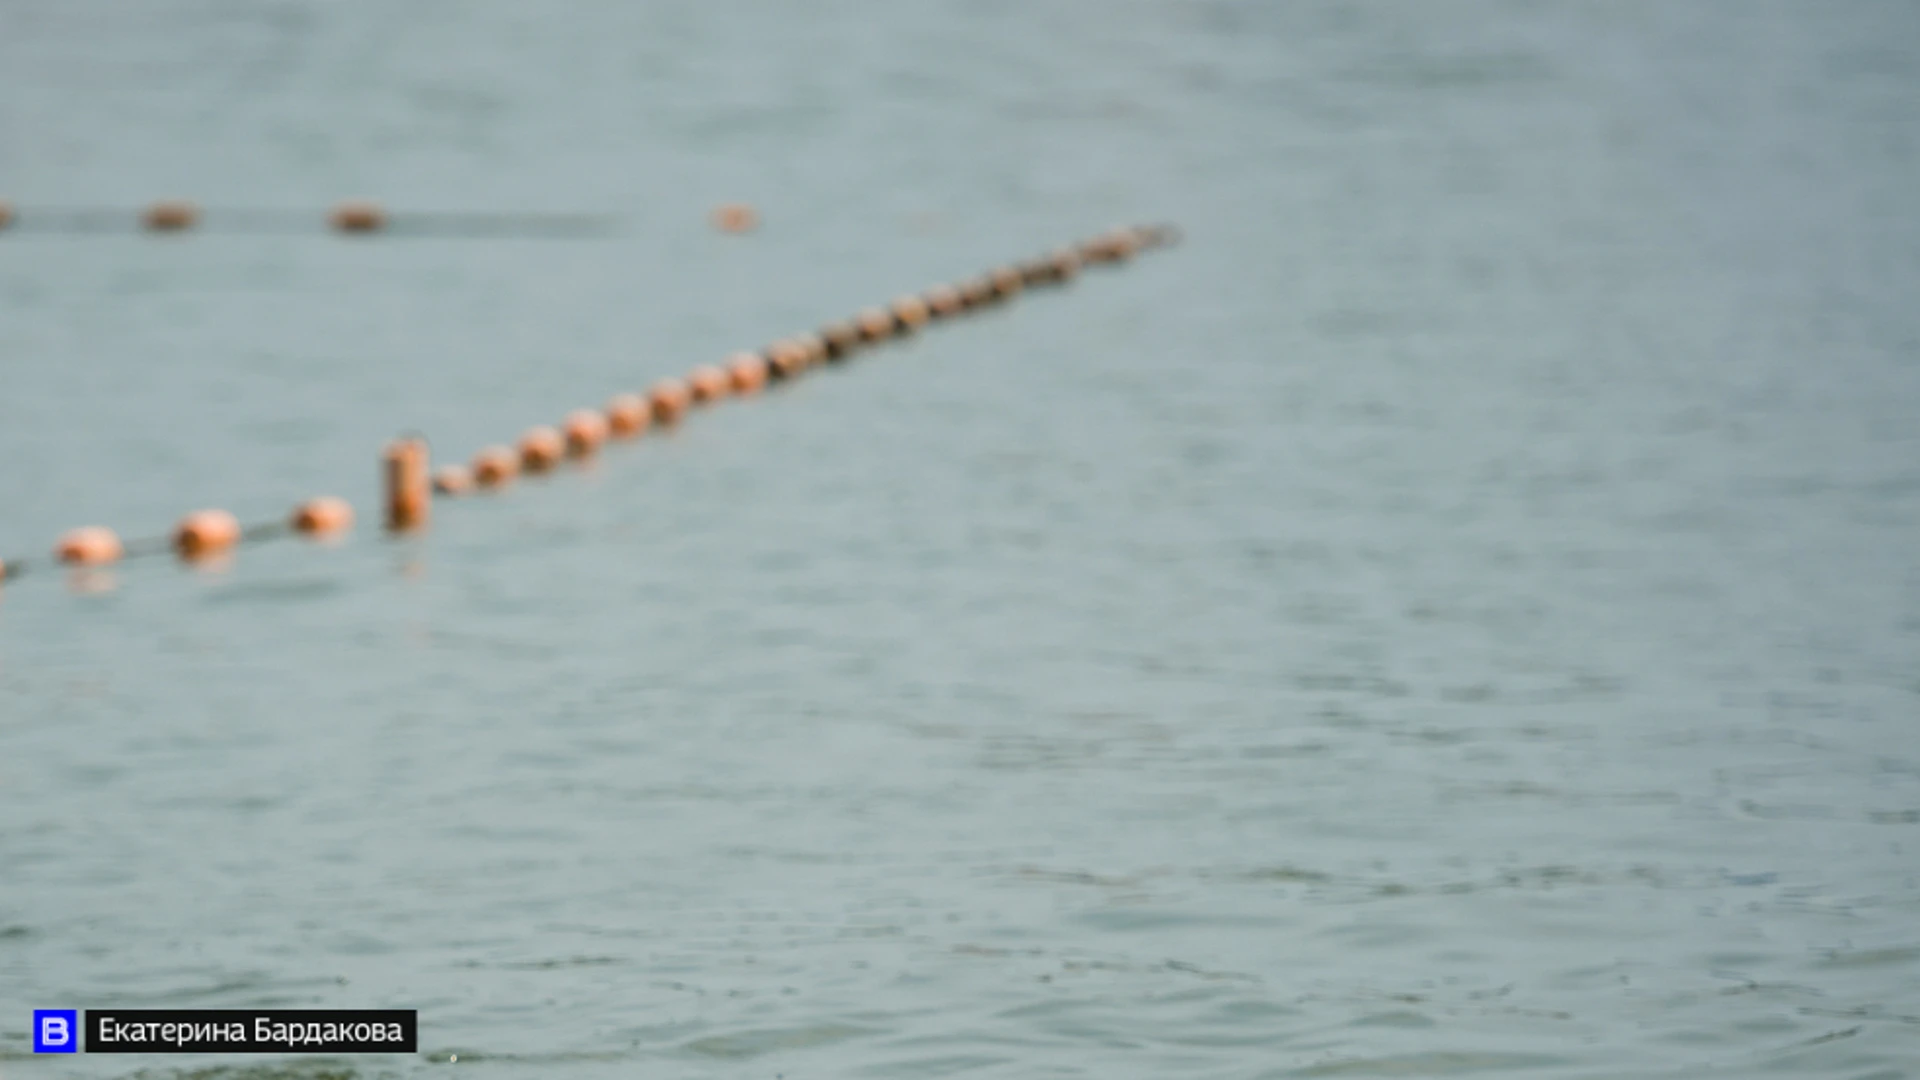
[1457,614]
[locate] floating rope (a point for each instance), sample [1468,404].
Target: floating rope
[409,482]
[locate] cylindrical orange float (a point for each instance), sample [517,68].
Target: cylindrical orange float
[627,415]
[1007,282]
[707,383]
[842,337]
[90,545]
[494,466]
[943,301]
[876,324]
[584,430]
[669,399]
[358,216]
[322,516]
[735,217]
[453,479]
[407,486]
[170,215]
[747,372]
[205,532]
[911,311]
[541,448]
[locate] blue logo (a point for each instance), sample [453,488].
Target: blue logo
[56,1031]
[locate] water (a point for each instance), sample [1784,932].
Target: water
[1455,615]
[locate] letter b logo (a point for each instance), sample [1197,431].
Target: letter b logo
[56,1031]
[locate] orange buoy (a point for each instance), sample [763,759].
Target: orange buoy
[708,383]
[978,291]
[669,399]
[6,213]
[1007,282]
[841,338]
[735,217]
[170,215]
[494,466]
[943,301]
[1152,236]
[627,415]
[747,371]
[407,487]
[876,324]
[453,479]
[1066,264]
[785,359]
[323,516]
[358,216]
[584,430]
[205,532]
[813,348]
[1113,245]
[90,545]
[911,311]
[540,448]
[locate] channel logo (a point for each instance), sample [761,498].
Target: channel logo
[56,1031]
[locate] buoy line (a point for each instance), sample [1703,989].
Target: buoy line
[409,482]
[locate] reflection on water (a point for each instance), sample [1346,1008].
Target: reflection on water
[1454,615]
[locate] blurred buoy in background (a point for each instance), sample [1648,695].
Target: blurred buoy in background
[627,415]
[785,359]
[453,479]
[669,399]
[876,324]
[584,430]
[205,532]
[1007,282]
[494,466]
[6,213]
[841,337]
[358,216]
[813,348]
[944,300]
[170,215]
[735,217]
[407,487]
[747,371]
[90,545]
[708,383]
[540,448]
[910,310]
[977,291]
[322,516]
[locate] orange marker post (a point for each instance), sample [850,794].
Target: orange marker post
[407,490]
